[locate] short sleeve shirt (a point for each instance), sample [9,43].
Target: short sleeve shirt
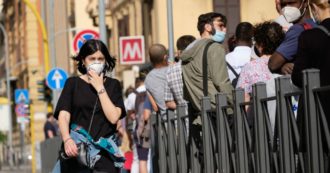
[130,104]
[147,104]
[253,72]
[288,48]
[174,87]
[155,84]
[79,98]
[49,126]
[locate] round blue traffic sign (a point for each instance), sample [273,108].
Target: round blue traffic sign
[56,78]
[82,36]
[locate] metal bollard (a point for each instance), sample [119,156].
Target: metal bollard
[286,153]
[207,143]
[241,141]
[182,144]
[171,141]
[311,80]
[262,158]
[222,137]
[162,162]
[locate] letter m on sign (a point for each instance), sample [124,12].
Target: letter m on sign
[131,50]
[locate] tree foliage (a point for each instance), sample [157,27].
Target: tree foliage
[3,137]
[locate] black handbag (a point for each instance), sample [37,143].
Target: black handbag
[83,149]
[83,157]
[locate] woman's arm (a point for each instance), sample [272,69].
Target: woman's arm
[111,112]
[69,145]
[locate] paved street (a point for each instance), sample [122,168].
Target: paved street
[17,169]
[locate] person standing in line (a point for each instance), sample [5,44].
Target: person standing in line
[242,52]
[156,79]
[174,87]
[296,12]
[94,103]
[268,36]
[212,28]
[314,51]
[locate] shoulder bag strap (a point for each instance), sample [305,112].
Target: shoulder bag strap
[324,29]
[205,88]
[97,98]
[90,124]
[232,69]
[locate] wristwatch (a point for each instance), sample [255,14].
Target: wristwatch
[101,91]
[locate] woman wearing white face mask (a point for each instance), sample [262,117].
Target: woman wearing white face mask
[92,102]
[314,51]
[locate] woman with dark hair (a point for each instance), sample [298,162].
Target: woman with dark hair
[91,103]
[268,36]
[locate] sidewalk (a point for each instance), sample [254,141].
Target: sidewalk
[16,169]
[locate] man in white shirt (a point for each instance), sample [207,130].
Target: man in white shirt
[242,52]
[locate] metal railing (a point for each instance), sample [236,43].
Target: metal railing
[232,144]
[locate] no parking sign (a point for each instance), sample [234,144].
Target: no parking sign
[82,36]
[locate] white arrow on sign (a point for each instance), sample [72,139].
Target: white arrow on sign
[57,77]
[21,98]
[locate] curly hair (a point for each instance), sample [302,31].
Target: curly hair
[90,47]
[268,35]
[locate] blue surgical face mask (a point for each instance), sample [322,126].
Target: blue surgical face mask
[219,36]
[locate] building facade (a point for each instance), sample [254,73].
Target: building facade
[149,19]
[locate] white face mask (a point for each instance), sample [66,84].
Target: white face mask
[282,21]
[97,67]
[292,14]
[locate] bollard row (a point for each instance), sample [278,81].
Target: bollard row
[258,139]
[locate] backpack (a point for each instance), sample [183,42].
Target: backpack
[234,82]
[307,26]
[142,129]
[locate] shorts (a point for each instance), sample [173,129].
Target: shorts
[142,153]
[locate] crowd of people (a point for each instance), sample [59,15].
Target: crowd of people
[298,39]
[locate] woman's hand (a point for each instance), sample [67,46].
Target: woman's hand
[70,148]
[95,80]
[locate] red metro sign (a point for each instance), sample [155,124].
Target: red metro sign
[131,50]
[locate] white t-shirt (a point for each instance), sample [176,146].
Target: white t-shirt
[237,59]
[130,103]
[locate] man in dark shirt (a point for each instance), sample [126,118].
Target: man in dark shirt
[49,127]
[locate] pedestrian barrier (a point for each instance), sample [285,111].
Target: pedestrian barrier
[49,150]
[247,140]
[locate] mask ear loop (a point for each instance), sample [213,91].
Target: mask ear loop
[301,5]
[310,10]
